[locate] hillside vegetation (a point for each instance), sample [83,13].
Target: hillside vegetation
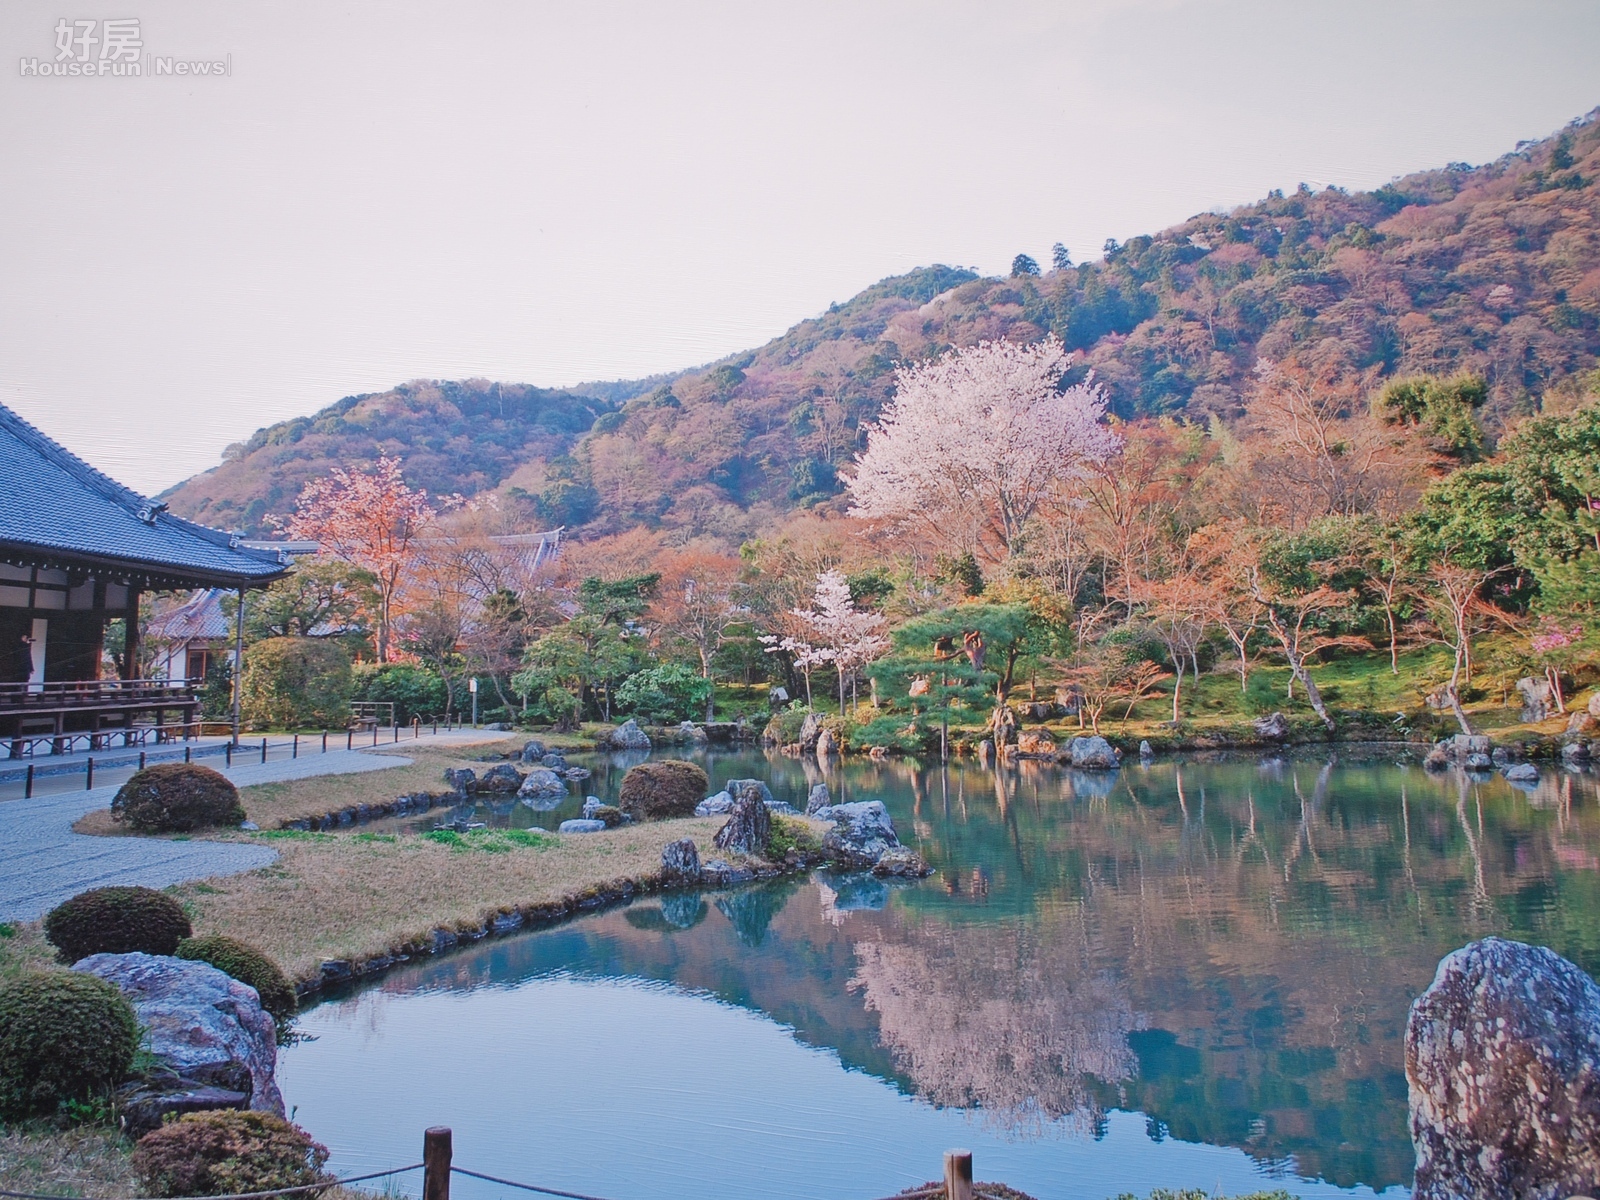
[1492,269]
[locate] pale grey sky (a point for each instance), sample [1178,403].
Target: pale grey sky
[550,193]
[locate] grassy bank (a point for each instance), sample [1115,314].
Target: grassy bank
[357,895]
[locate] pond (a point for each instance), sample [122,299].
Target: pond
[1183,974]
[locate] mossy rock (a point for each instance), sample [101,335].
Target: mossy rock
[63,1036]
[116,920]
[177,798]
[248,965]
[657,791]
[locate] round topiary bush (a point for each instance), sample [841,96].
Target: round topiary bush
[63,1036]
[177,797]
[655,791]
[248,965]
[116,920]
[224,1152]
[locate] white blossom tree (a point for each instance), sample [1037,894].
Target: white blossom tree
[835,631]
[974,442]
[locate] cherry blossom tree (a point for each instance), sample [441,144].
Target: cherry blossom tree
[835,631]
[369,519]
[973,443]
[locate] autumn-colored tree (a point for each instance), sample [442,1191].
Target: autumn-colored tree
[700,601]
[1177,610]
[371,520]
[975,441]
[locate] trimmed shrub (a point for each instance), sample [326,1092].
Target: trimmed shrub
[177,797]
[414,691]
[116,920]
[63,1036]
[665,694]
[248,965]
[654,791]
[296,683]
[225,1151]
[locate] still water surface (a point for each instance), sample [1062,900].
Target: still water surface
[1187,974]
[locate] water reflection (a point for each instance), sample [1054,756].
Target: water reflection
[1228,947]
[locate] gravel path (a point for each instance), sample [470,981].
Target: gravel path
[42,862]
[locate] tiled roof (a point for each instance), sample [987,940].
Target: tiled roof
[200,617]
[55,506]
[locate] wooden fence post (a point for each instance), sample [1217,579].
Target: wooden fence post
[436,1163]
[958,1175]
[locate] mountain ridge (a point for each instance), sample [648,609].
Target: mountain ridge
[1492,269]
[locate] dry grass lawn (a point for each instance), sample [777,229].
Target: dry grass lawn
[352,895]
[23,948]
[86,1161]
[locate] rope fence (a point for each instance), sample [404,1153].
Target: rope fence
[437,1169]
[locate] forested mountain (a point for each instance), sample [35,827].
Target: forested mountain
[1492,269]
[465,437]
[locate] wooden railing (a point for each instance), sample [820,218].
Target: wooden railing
[96,693]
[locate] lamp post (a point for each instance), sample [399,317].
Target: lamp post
[472,686]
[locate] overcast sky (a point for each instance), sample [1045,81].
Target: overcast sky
[552,193]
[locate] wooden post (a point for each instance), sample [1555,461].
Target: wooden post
[238,666]
[958,1175]
[88,775]
[27,784]
[436,1163]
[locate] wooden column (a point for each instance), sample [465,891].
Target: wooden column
[130,640]
[958,1175]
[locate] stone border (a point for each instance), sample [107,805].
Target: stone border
[359,814]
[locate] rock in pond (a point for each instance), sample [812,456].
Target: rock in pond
[1035,743]
[1522,773]
[502,779]
[1094,754]
[533,750]
[901,861]
[827,744]
[714,806]
[1503,1067]
[460,779]
[555,761]
[1479,762]
[749,826]
[818,798]
[200,1023]
[628,736]
[810,731]
[542,783]
[862,831]
[1145,750]
[689,732]
[580,825]
[681,860]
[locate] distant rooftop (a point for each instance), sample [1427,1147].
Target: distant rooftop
[57,510]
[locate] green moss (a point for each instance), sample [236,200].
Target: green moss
[789,833]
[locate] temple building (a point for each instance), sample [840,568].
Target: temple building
[77,550]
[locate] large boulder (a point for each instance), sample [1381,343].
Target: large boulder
[1582,722]
[740,788]
[680,860]
[714,806]
[542,783]
[204,1026]
[818,799]
[691,733]
[1035,743]
[1503,1065]
[1094,754]
[810,731]
[1538,698]
[461,779]
[827,744]
[749,826]
[628,736]
[502,779]
[655,791]
[861,832]
[533,750]
[1274,727]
